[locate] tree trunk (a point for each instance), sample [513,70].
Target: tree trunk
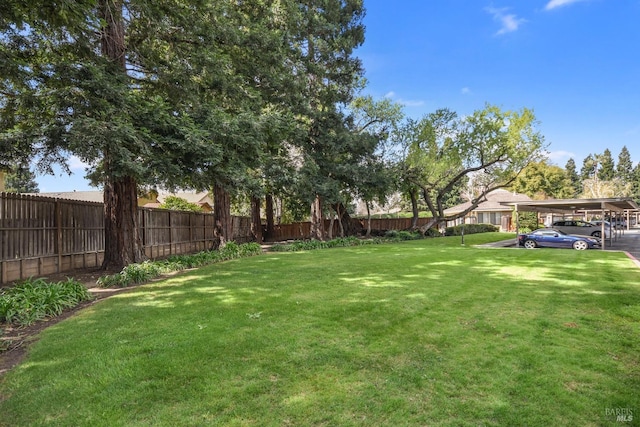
[368,220]
[348,227]
[430,223]
[337,206]
[330,231]
[112,40]
[269,214]
[256,222]
[414,209]
[317,220]
[223,231]
[122,243]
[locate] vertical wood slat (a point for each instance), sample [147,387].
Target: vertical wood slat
[58,239]
[37,232]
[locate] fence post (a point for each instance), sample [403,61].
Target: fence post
[170,234]
[58,216]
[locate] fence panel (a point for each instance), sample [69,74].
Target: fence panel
[44,235]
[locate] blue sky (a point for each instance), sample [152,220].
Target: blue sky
[575,63]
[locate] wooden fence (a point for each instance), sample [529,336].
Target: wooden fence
[302,230]
[43,235]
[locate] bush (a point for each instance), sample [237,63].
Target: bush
[433,232]
[34,300]
[306,245]
[400,235]
[145,271]
[470,229]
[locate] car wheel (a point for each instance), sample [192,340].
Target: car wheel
[597,234]
[580,245]
[530,244]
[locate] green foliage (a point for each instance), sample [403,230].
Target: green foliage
[307,245]
[540,180]
[179,204]
[483,151]
[401,235]
[36,299]
[527,221]
[624,168]
[573,177]
[433,232]
[20,179]
[145,271]
[470,229]
[606,170]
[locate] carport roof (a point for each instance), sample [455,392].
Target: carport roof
[571,205]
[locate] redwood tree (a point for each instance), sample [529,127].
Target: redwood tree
[146,93]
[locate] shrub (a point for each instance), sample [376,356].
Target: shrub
[470,229]
[433,232]
[142,272]
[306,245]
[35,299]
[400,235]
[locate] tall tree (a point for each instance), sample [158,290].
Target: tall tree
[635,183]
[540,180]
[20,179]
[158,93]
[574,178]
[589,167]
[624,168]
[328,33]
[446,149]
[606,171]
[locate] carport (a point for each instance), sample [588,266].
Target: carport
[611,207]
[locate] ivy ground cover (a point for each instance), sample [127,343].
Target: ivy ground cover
[425,332]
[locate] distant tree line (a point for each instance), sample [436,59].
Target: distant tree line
[599,177]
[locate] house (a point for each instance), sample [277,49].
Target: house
[202,199]
[490,210]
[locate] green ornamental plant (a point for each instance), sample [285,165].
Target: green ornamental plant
[36,299]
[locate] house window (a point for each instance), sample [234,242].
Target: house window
[489,218]
[495,218]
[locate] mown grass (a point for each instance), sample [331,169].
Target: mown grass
[422,332]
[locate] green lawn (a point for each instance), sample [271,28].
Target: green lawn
[416,333]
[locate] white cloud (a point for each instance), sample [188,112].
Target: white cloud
[410,103]
[508,21]
[405,102]
[559,155]
[553,4]
[76,164]
[465,91]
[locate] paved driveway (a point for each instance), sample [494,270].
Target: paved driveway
[629,242]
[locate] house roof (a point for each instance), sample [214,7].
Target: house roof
[619,204]
[493,202]
[202,198]
[85,196]
[198,198]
